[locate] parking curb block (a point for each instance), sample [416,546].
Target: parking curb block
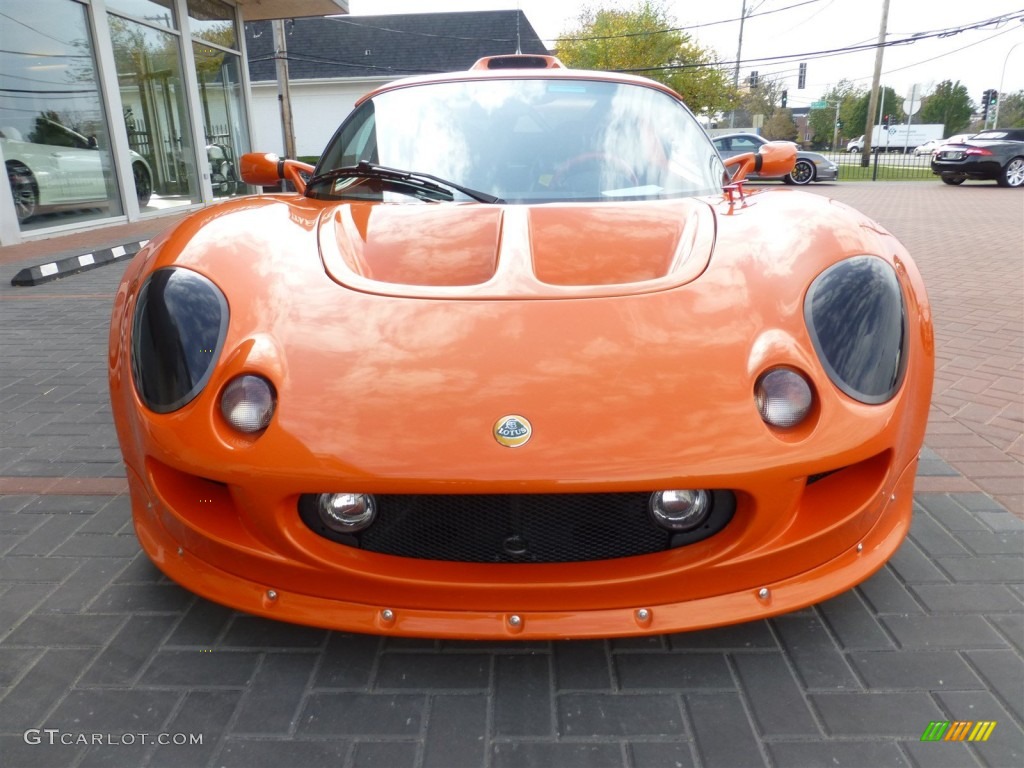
[54,270]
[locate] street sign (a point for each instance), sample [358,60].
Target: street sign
[819,104]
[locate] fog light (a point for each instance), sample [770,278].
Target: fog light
[783,397]
[680,510]
[346,512]
[248,403]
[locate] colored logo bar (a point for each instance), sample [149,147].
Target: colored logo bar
[958,730]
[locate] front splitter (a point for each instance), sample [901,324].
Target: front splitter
[762,601]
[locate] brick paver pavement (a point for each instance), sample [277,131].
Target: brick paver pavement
[96,646]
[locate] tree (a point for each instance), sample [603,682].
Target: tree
[641,40]
[853,111]
[780,126]
[821,122]
[950,105]
[760,99]
[1011,110]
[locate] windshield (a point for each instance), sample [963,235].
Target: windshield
[524,140]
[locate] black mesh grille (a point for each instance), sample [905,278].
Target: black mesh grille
[515,528]
[527,528]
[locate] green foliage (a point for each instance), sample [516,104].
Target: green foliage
[853,112]
[1011,110]
[780,126]
[761,100]
[888,104]
[950,105]
[635,40]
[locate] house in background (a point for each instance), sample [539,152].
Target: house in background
[334,61]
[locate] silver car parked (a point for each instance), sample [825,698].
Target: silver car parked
[810,166]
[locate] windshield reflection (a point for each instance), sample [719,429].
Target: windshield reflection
[528,140]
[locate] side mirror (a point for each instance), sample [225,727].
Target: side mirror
[776,158]
[265,169]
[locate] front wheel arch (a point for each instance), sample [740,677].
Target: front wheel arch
[1012,174]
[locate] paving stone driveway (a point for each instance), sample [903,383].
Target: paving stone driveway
[96,646]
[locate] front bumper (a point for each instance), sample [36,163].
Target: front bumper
[837,533]
[826,172]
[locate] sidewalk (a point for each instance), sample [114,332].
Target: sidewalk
[78,243]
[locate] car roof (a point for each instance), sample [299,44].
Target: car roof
[1012,134]
[739,133]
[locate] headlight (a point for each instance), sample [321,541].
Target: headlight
[783,397]
[855,314]
[179,325]
[247,403]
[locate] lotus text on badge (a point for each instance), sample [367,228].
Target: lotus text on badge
[512,431]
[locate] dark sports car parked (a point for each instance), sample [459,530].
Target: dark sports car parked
[996,154]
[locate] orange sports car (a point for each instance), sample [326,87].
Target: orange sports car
[521,358]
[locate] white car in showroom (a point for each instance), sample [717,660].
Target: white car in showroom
[67,171]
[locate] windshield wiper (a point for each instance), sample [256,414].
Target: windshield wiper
[367,170]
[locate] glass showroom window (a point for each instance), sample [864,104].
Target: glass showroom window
[218,69]
[53,130]
[153,97]
[159,12]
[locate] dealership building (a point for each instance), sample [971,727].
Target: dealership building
[114,111]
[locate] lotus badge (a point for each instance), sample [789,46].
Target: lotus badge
[512,431]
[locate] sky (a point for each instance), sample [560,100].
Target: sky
[979,58]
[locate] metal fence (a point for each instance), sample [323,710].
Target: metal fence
[883,166]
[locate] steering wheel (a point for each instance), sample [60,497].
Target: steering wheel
[592,162]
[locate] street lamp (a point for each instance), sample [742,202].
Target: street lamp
[999,96]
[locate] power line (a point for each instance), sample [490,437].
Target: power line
[340,20]
[684,28]
[37,31]
[305,58]
[840,51]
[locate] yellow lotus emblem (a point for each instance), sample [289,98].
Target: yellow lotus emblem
[512,431]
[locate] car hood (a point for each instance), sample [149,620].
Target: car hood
[564,250]
[626,392]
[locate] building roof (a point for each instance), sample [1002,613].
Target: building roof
[253,10]
[389,46]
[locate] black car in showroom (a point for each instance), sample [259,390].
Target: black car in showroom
[995,154]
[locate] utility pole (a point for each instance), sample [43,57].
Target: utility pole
[736,69]
[284,96]
[865,157]
[835,127]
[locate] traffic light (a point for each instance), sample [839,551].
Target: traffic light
[885,121]
[785,97]
[984,105]
[753,78]
[993,97]
[801,79]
